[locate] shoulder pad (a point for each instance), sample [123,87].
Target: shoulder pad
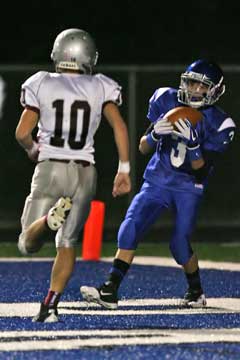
[221,121]
[34,81]
[112,90]
[159,92]
[107,80]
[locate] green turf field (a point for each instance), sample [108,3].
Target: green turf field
[205,250]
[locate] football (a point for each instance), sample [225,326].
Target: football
[183,112]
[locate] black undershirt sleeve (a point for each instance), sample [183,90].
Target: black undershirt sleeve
[211,159]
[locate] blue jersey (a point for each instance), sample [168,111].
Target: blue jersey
[170,166]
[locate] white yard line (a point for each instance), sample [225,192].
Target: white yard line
[114,332]
[100,338]
[215,306]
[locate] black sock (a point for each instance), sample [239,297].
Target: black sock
[117,272]
[194,281]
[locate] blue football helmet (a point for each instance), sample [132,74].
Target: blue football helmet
[207,73]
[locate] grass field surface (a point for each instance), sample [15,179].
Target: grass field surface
[205,250]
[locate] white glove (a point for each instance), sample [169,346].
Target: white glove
[187,132]
[162,127]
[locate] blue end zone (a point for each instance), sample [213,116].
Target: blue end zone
[203,351]
[29,281]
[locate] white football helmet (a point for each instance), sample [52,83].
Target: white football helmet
[74,49]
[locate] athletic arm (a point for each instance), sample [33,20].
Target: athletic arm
[28,121]
[202,166]
[144,146]
[122,183]
[154,134]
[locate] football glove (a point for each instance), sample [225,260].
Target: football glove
[162,127]
[187,132]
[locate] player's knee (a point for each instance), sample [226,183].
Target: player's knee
[25,247]
[127,235]
[65,242]
[22,246]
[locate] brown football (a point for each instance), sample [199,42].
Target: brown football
[182,112]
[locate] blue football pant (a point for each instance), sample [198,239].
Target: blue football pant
[148,205]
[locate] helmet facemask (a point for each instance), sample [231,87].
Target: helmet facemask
[196,99]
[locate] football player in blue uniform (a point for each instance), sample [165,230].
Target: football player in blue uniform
[175,177]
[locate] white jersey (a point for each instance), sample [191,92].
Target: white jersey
[70,109]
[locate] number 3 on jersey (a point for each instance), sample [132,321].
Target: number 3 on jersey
[57,139]
[178,154]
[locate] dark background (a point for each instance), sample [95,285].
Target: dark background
[127,33]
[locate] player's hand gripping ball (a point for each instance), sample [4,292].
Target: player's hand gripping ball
[184,112]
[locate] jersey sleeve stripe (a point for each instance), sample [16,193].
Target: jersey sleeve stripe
[227,123]
[33,108]
[108,102]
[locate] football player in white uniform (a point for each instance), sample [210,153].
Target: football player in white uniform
[66,106]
